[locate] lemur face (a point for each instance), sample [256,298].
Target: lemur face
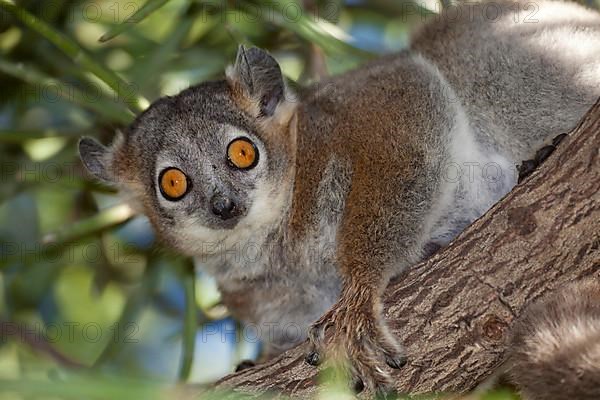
[207,164]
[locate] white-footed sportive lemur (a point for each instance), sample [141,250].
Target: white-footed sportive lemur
[304,205]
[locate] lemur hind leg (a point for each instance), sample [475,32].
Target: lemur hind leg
[528,166]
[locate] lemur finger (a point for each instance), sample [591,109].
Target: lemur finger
[244,364]
[316,337]
[556,141]
[357,384]
[525,169]
[528,166]
[313,358]
[544,153]
[316,333]
[397,361]
[392,351]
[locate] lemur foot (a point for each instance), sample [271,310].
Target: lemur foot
[244,364]
[528,166]
[361,341]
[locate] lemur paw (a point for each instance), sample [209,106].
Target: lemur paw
[528,166]
[361,341]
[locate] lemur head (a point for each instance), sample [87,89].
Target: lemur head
[214,163]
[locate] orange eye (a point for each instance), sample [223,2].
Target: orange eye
[173,184]
[242,153]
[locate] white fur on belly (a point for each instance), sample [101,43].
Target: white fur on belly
[472,181]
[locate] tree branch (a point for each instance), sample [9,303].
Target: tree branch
[453,311]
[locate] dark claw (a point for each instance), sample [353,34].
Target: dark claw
[244,364]
[396,362]
[528,166]
[358,385]
[525,169]
[559,139]
[313,358]
[544,153]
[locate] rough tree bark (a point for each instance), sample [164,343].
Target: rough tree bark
[453,311]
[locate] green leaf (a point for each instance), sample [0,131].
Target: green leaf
[312,29]
[109,109]
[121,88]
[105,219]
[135,302]
[190,324]
[164,53]
[20,135]
[86,387]
[53,243]
[147,9]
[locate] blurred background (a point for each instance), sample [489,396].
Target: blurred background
[86,290]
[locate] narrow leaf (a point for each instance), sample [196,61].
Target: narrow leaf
[109,109]
[86,386]
[190,323]
[105,219]
[147,9]
[19,136]
[121,88]
[315,30]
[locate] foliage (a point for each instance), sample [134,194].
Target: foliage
[91,306]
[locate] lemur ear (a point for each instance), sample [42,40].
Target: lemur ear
[96,158]
[257,81]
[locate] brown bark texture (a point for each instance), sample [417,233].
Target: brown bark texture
[453,312]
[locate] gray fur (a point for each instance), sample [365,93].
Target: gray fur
[93,155]
[554,351]
[525,73]
[356,172]
[260,77]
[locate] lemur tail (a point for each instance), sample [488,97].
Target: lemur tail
[554,352]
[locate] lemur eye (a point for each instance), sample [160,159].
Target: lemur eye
[173,184]
[242,153]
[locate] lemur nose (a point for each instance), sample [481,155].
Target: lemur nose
[222,206]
